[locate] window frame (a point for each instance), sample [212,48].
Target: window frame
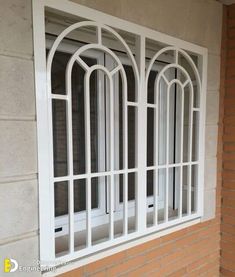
[46,208]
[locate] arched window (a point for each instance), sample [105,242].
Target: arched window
[120,114]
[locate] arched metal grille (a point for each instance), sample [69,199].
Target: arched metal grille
[180,164]
[145,91]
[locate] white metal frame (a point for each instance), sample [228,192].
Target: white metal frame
[62,221]
[98,214]
[44,128]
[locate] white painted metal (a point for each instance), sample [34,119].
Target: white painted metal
[111,183]
[70,157]
[181,152]
[46,187]
[167,154]
[141,138]
[88,156]
[125,158]
[45,143]
[203,63]
[191,109]
[155,178]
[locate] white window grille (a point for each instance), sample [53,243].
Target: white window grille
[120,114]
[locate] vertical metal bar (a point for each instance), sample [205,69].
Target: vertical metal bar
[88,212]
[202,67]
[99,35]
[141,197]
[125,203]
[88,156]
[155,180]
[111,189]
[156,110]
[44,136]
[167,154]
[190,151]
[176,56]
[189,189]
[181,152]
[125,151]
[70,156]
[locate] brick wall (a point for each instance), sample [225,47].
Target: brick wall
[228,188]
[193,251]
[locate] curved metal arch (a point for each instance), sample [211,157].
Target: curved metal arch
[92,46]
[76,57]
[99,67]
[83,24]
[176,81]
[161,74]
[177,50]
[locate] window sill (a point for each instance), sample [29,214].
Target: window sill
[101,233]
[122,247]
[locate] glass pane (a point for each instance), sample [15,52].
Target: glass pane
[173,192]
[59,137]
[131,87]
[161,193]
[162,122]
[131,187]
[119,125]
[131,136]
[131,127]
[59,64]
[195,138]
[151,81]
[118,214]
[185,190]
[150,180]
[80,194]
[194,188]
[187,111]
[150,190]
[80,236]
[150,137]
[132,206]
[61,208]
[94,121]
[175,123]
[79,144]
[61,198]
[100,225]
[187,66]
[196,96]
